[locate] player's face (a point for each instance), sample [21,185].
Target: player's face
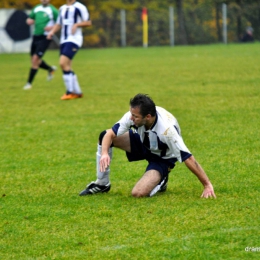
[136,117]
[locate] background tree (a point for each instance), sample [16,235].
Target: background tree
[196,21]
[181,22]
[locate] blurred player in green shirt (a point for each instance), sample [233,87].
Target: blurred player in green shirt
[43,17]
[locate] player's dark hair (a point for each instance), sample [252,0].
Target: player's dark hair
[145,104]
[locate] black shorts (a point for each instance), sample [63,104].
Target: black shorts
[39,45]
[69,49]
[140,152]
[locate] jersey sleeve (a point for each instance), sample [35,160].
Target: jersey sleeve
[59,17]
[32,14]
[123,125]
[176,144]
[85,14]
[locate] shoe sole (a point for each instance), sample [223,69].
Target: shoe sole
[51,73]
[72,97]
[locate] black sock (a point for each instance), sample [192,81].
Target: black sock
[45,66]
[32,75]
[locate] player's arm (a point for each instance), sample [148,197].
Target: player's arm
[48,28]
[106,143]
[84,23]
[55,29]
[29,21]
[80,24]
[195,168]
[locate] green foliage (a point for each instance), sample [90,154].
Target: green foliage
[47,156]
[195,22]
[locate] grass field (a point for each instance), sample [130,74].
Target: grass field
[47,156]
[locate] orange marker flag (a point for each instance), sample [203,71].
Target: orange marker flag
[145,27]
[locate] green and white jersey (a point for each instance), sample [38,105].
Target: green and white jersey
[43,16]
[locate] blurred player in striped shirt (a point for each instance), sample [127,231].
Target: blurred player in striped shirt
[72,17]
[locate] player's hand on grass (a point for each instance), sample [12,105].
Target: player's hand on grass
[208,192]
[104,162]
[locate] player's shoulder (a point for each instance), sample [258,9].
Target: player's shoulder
[163,112]
[165,118]
[80,6]
[53,7]
[63,7]
[127,115]
[125,119]
[37,7]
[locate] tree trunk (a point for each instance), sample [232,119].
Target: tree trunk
[182,29]
[219,33]
[239,21]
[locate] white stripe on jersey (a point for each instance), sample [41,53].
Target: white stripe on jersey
[68,16]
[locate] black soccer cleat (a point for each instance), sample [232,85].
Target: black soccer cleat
[94,188]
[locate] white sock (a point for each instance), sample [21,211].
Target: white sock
[76,86]
[102,177]
[68,81]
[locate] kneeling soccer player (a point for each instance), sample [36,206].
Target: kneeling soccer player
[146,132]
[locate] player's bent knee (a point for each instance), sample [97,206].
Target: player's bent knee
[138,193]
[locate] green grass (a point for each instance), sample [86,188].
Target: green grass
[47,156]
